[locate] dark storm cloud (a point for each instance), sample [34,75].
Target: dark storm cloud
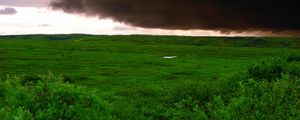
[8,11]
[221,15]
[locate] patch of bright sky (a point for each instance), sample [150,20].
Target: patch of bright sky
[30,20]
[43,20]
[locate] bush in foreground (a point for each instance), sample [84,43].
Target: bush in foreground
[48,98]
[268,90]
[273,68]
[278,99]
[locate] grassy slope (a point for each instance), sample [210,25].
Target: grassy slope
[119,65]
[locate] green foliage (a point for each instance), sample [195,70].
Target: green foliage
[260,100]
[199,93]
[130,74]
[185,109]
[293,58]
[269,69]
[48,98]
[266,94]
[187,101]
[273,68]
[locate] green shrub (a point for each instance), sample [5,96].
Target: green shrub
[267,90]
[273,68]
[198,93]
[48,98]
[293,58]
[270,69]
[260,100]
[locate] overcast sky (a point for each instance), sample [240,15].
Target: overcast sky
[25,3]
[37,17]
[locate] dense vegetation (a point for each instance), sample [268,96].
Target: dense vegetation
[212,78]
[48,98]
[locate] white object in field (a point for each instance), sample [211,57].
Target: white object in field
[170,57]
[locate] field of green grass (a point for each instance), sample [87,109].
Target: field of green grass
[130,73]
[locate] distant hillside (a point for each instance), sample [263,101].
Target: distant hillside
[287,42]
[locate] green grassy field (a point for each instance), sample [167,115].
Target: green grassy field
[129,72]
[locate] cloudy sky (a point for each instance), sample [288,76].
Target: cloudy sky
[166,17]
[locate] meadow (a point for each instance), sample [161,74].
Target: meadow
[135,81]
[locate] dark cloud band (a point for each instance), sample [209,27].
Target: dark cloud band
[222,15]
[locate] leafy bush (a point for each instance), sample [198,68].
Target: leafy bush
[187,101]
[270,69]
[48,98]
[274,68]
[293,58]
[267,90]
[260,100]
